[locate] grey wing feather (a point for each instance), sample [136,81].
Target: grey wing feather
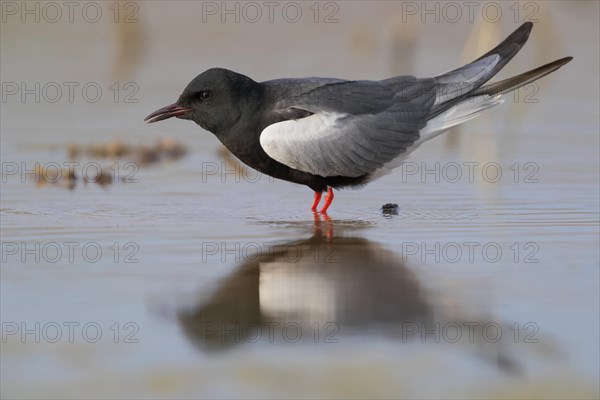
[356,126]
[330,94]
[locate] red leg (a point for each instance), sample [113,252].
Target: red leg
[316,201]
[328,200]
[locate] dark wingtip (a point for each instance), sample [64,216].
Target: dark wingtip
[510,84]
[527,25]
[554,65]
[524,30]
[512,44]
[566,60]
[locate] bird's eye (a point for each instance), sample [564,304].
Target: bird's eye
[205,94]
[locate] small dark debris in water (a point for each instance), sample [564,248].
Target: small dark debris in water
[102,178]
[52,176]
[111,149]
[69,178]
[165,149]
[507,364]
[147,155]
[390,209]
[172,148]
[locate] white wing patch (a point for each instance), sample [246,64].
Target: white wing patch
[295,143]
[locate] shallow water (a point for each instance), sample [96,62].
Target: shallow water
[196,282]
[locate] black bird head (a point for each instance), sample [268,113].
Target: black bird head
[212,100]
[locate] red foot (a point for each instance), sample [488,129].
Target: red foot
[328,200]
[316,201]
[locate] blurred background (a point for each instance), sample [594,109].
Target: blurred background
[145,261]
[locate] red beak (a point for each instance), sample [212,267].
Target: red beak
[173,110]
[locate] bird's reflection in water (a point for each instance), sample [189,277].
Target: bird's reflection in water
[322,290]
